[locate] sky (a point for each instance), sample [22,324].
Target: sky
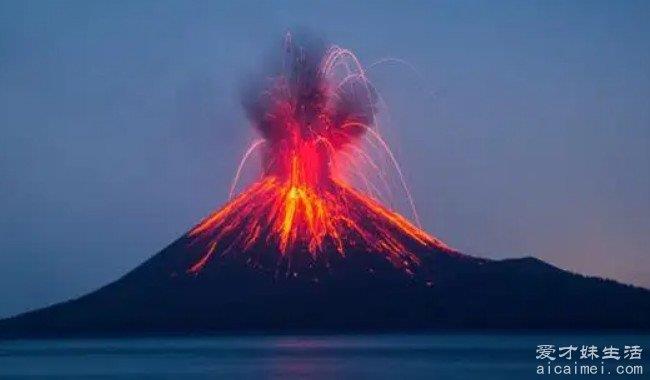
[523,127]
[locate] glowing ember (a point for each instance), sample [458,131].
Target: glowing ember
[311,116]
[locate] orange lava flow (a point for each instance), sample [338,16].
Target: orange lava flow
[291,215]
[308,117]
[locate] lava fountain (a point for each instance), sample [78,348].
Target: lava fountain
[312,117]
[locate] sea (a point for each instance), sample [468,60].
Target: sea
[380,356]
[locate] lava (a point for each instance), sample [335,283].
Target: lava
[313,116]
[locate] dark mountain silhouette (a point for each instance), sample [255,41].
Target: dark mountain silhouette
[358,292]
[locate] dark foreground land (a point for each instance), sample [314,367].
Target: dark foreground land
[362,292]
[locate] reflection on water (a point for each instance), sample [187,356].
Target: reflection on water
[453,356]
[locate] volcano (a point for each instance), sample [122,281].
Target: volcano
[304,249]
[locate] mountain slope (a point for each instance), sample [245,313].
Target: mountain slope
[361,291]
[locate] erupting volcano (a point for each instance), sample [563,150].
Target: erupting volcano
[309,246]
[312,116]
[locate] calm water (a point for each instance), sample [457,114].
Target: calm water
[459,356]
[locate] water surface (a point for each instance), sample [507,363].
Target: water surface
[436,356]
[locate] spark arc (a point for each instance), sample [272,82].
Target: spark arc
[316,116]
